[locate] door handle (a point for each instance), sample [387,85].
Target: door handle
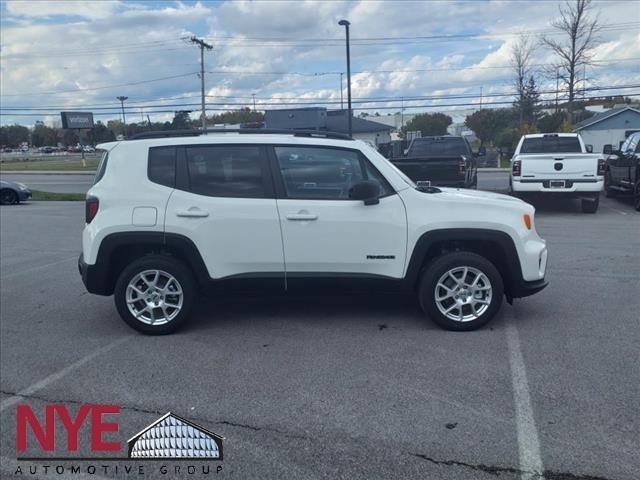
[193,212]
[302,216]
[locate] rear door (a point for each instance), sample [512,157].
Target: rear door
[224,202]
[327,234]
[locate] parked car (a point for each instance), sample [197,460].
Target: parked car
[557,164]
[622,177]
[88,149]
[224,212]
[443,161]
[13,192]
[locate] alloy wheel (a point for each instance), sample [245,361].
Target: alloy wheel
[463,294]
[154,297]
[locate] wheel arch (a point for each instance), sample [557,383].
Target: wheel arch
[117,250]
[496,246]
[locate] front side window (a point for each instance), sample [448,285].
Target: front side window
[225,171]
[324,173]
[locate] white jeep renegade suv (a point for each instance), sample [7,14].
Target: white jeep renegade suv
[170,217]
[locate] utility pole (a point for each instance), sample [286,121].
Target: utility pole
[202,44]
[345,24]
[480,98]
[557,87]
[341,95]
[255,114]
[122,98]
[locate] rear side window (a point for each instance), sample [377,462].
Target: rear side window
[162,166]
[551,145]
[226,171]
[102,166]
[438,146]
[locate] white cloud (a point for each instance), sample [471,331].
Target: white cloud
[44,9]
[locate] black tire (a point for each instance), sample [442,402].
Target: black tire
[590,205]
[8,197]
[636,197]
[445,263]
[167,264]
[607,187]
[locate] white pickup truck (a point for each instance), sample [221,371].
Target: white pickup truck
[559,164]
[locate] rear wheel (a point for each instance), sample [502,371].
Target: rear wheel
[155,294]
[461,291]
[8,197]
[590,205]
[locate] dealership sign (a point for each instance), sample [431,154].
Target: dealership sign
[77,120]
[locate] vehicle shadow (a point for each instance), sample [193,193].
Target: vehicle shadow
[365,310]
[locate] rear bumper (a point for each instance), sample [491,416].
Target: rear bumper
[92,277]
[575,186]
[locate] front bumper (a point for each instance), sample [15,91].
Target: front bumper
[526,289]
[24,195]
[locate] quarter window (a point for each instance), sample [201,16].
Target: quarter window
[226,171]
[324,173]
[162,166]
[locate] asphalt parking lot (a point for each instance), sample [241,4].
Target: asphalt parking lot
[346,387]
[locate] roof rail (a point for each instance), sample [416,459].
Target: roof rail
[264,131]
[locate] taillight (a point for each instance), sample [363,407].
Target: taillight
[515,168]
[602,166]
[462,166]
[91,206]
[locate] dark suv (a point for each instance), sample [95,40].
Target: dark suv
[622,176]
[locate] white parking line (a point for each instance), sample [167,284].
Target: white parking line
[528,442]
[39,267]
[30,390]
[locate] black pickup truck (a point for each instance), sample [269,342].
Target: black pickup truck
[622,175]
[446,161]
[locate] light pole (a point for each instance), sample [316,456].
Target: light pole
[341,96]
[345,24]
[122,98]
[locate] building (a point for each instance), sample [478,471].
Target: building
[610,127]
[319,118]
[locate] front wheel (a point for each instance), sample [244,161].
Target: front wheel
[155,294]
[636,196]
[8,197]
[607,187]
[461,291]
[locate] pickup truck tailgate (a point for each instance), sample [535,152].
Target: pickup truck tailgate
[561,165]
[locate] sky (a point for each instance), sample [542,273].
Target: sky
[81,55]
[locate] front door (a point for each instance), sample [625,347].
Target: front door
[324,232]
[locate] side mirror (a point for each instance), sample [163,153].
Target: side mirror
[607,149]
[482,152]
[367,190]
[589,148]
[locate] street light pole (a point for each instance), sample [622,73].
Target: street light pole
[122,98]
[345,24]
[341,96]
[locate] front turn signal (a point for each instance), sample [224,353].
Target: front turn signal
[527,221]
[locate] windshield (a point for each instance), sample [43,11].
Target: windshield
[438,146]
[551,144]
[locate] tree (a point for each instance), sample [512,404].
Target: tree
[550,123]
[44,136]
[245,115]
[529,103]
[13,135]
[575,51]
[428,124]
[487,123]
[521,53]
[181,120]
